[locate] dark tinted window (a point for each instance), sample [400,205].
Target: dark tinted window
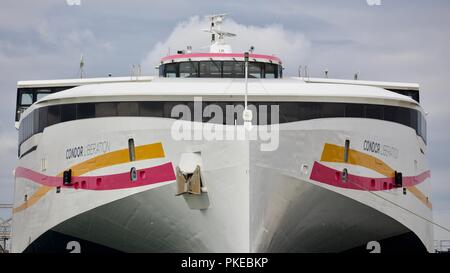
[271,71]
[169,106]
[390,113]
[105,109]
[415,121]
[409,93]
[85,110]
[403,116]
[233,69]
[171,70]
[234,113]
[211,69]
[43,117]
[53,115]
[29,125]
[255,70]
[68,112]
[27,96]
[289,112]
[151,109]
[423,128]
[309,110]
[189,70]
[35,122]
[354,110]
[220,69]
[333,110]
[374,111]
[128,109]
[210,112]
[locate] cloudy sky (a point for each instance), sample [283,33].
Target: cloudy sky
[399,40]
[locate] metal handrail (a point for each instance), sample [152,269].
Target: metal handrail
[6,206]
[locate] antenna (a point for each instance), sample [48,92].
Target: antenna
[81,66]
[135,71]
[217,35]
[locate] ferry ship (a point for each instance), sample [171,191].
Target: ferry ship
[221,152]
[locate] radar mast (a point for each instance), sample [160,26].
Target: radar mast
[218,44]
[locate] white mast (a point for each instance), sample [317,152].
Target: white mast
[247,114]
[218,44]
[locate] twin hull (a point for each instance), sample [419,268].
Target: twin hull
[259,201]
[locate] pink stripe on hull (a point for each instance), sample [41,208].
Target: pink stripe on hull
[326,175]
[152,175]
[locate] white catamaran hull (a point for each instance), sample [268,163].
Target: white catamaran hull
[258,201]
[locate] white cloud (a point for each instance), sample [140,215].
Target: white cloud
[292,47]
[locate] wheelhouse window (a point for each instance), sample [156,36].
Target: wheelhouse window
[171,70]
[220,69]
[211,69]
[255,70]
[27,96]
[26,99]
[232,69]
[271,71]
[188,70]
[41,93]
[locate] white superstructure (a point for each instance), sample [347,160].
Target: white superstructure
[163,164]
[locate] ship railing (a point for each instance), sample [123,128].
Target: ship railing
[442,246]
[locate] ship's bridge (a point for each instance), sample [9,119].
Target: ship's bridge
[219,65]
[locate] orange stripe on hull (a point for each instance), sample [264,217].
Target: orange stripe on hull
[417,193]
[38,194]
[149,151]
[335,153]
[143,152]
